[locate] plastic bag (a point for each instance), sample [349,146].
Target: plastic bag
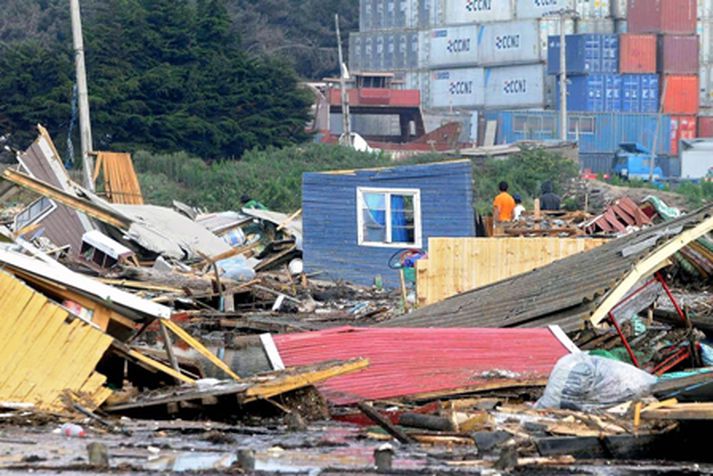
[581,381]
[237,268]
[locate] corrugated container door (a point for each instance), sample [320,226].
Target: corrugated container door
[355,52]
[515,86]
[593,8]
[584,93]
[681,95]
[705,9]
[682,127]
[662,16]
[637,53]
[508,43]
[678,54]
[594,25]
[412,49]
[649,93]
[477,11]
[612,92]
[618,9]
[705,126]
[631,93]
[706,85]
[585,54]
[621,26]
[705,32]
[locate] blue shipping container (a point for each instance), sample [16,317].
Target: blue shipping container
[594,92]
[585,53]
[595,132]
[640,92]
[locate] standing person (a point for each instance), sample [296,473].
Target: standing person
[519,208]
[549,200]
[504,204]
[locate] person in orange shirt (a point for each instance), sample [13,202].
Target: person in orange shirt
[504,204]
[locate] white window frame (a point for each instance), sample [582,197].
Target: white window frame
[37,218]
[413,192]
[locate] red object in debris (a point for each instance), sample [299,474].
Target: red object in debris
[637,53]
[705,126]
[682,95]
[587,174]
[678,54]
[662,16]
[682,127]
[377,97]
[408,362]
[618,216]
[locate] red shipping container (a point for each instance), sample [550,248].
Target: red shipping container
[682,127]
[681,94]
[662,16]
[705,126]
[637,53]
[678,54]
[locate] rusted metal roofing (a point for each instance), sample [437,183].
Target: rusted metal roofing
[566,291]
[418,362]
[618,217]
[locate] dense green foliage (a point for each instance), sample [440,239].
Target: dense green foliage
[524,172]
[274,176]
[166,75]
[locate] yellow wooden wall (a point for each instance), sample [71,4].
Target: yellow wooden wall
[45,352]
[456,265]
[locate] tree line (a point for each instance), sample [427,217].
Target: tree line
[164,75]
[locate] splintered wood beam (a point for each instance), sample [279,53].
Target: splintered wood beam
[294,380]
[384,423]
[168,345]
[155,364]
[49,191]
[648,266]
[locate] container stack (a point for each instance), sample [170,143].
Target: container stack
[674,23]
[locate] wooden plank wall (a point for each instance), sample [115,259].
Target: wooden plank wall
[456,265]
[121,185]
[46,352]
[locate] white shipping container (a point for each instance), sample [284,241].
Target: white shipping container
[705,9]
[594,25]
[551,26]
[593,8]
[458,12]
[705,37]
[706,79]
[452,46]
[509,43]
[533,9]
[355,52]
[453,88]
[619,9]
[515,86]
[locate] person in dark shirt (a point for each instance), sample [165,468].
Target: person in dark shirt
[549,200]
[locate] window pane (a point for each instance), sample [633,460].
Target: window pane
[402,219]
[548,124]
[573,124]
[518,123]
[374,217]
[586,125]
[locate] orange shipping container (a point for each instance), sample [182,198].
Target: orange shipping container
[637,53]
[681,94]
[682,127]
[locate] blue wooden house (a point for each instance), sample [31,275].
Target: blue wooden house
[354,221]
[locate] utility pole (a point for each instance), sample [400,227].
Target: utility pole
[652,159]
[85,127]
[563,14]
[563,79]
[346,138]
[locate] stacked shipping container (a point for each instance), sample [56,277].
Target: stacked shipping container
[674,22]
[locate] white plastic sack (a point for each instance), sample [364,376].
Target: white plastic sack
[581,381]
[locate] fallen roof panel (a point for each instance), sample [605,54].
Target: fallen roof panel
[583,286]
[66,277]
[418,362]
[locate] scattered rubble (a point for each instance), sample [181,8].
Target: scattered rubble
[150,339]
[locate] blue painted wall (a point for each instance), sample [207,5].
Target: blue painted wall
[329,208]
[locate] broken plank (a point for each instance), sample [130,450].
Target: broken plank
[380,420]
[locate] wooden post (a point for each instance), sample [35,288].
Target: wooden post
[169,348]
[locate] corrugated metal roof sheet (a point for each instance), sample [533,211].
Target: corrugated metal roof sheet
[408,362]
[562,293]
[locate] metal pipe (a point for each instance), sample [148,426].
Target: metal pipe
[629,351]
[346,121]
[563,79]
[666,289]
